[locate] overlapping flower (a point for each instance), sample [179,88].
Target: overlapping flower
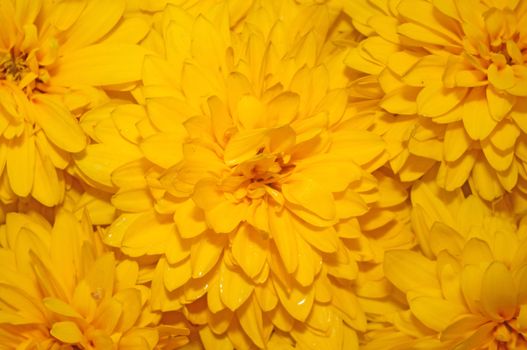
[59,287]
[274,174]
[466,289]
[454,72]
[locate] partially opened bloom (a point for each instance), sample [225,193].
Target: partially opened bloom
[61,289]
[56,59]
[245,174]
[455,70]
[466,288]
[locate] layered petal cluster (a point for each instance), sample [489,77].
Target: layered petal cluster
[453,73]
[466,288]
[61,289]
[56,59]
[247,175]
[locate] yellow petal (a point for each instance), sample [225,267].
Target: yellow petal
[348,304]
[297,301]
[410,271]
[308,194]
[520,88]
[7,17]
[500,103]
[100,64]
[324,239]
[497,159]
[339,172]
[484,335]
[456,141]
[131,175]
[499,303]
[131,30]
[250,316]
[235,288]
[266,296]
[21,164]
[308,264]
[59,125]
[126,275]
[485,181]
[435,100]
[189,219]
[425,14]
[428,71]
[443,237]
[98,161]
[214,341]
[177,275]
[368,146]
[27,307]
[133,200]
[108,315]
[131,298]
[224,217]
[27,10]
[477,252]
[282,109]
[428,36]
[360,61]
[279,223]
[401,101]
[168,114]
[60,307]
[251,112]
[463,326]
[148,234]
[152,148]
[435,313]
[46,186]
[244,145]
[504,136]
[501,78]
[456,173]
[247,239]
[67,332]
[95,21]
[476,116]
[205,254]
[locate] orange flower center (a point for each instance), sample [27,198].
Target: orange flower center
[22,70]
[261,175]
[13,67]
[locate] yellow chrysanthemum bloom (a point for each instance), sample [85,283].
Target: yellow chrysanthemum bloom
[460,66]
[238,175]
[59,288]
[467,288]
[57,57]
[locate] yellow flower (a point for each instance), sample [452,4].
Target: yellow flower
[237,176]
[57,57]
[459,66]
[60,289]
[467,288]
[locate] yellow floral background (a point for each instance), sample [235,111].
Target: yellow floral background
[263,174]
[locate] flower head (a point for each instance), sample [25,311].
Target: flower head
[239,176]
[61,288]
[460,67]
[466,288]
[57,57]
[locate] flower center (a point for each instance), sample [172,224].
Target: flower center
[22,70]
[13,67]
[258,176]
